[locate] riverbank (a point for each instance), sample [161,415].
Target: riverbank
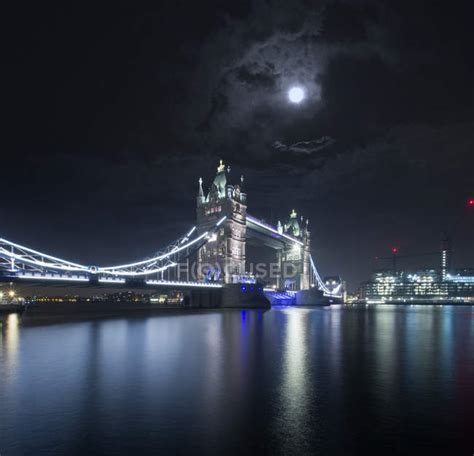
[11,308]
[414,302]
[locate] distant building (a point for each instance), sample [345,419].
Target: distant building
[426,285]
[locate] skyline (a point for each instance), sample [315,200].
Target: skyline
[109,130]
[261,264]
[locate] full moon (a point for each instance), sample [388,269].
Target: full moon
[296,94]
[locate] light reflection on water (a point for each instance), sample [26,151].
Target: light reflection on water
[10,342]
[294,391]
[286,381]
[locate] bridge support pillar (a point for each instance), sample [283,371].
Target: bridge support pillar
[246,296]
[294,258]
[224,255]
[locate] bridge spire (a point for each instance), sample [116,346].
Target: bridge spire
[292,226]
[220,181]
[200,197]
[220,166]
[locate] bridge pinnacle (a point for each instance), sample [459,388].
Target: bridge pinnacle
[280,227]
[201,193]
[220,167]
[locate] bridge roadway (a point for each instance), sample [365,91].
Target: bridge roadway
[195,294]
[268,235]
[58,278]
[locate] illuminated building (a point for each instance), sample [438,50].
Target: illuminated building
[442,285]
[294,259]
[223,258]
[224,255]
[424,286]
[445,257]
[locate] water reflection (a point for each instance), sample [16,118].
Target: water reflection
[385,354]
[294,392]
[287,381]
[10,341]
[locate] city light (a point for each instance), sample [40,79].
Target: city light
[111,280]
[61,277]
[183,284]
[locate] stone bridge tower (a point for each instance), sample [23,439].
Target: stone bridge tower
[222,259]
[294,259]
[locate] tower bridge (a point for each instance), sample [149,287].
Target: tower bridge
[210,256]
[227,248]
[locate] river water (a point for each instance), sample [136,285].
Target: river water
[289,381]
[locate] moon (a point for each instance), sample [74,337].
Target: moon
[296,94]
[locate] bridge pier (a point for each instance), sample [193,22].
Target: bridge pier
[236,296]
[204,298]
[244,295]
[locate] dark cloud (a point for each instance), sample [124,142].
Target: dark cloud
[305,147]
[257,78]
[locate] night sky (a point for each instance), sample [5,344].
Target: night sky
[112,113]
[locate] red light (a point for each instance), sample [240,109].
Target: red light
[394,250]
[470,202]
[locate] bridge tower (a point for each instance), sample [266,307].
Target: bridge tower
[223,257]
[294,259]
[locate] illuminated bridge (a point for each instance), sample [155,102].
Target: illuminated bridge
[216,245]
